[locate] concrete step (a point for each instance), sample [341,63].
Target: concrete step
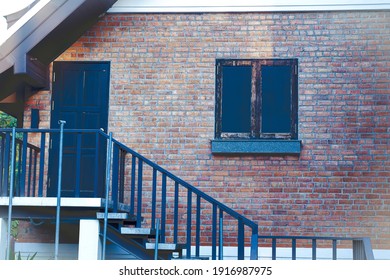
[113,216]
[164,246]
[138,232]
[118,217]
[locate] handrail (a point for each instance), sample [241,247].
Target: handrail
[191,191]
[361,246]
[166,191]
[187,185]
[24,152]
[20,141]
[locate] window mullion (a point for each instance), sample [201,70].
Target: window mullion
[256,99]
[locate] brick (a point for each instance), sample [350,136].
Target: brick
[162,103]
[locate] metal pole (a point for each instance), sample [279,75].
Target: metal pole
[220,251]
[157,237]
[108,165]
[57,237]
[11,194]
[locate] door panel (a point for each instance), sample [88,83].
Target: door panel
[80,97]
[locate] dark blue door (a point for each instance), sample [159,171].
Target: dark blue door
[80,97]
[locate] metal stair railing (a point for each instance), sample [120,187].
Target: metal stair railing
[139,187]
[26,156]
[361,246]
[186,214]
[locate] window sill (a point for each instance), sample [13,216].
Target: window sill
[266,147]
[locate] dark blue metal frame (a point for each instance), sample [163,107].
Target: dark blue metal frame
[362,249]
[129,171]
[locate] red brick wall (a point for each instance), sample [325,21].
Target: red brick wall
[162,105]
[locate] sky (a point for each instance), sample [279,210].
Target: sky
[9,7]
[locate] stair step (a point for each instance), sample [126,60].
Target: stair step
[113,216]
[138,231]
[192,259]
[164,246]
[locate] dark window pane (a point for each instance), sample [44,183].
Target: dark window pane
[236,99]
[276,99]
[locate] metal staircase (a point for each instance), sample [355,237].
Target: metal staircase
[146,240]
[146,210]
[143,208]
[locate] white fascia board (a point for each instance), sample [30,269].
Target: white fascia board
[185,6]
[52,202]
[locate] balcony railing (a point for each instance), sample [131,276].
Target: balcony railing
[361,247]
[26,168]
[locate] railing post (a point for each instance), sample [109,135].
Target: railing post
[11,194]
[293,249]
[314,249]
[157,237]
[255,244]
[6,163]
[197,233]
[334,249]
[108,165]
[57,234]
[241,240]
[220,250]
[273,249]
[22,179]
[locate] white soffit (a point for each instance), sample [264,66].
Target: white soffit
[196,6]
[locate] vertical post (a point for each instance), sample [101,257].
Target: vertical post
[132,192]
[189,222]
[23,166]
[241,240]
[314,249]
[176,213]
[157,237]
[214,233]
[294,249]
[139,194]
[115,178]
[273,249]
[57,236]
[197,234]
[220,250]
[11,194]
[334,249]
[108,164]
[163,206]
[254,243]
[154,198]
[41,164]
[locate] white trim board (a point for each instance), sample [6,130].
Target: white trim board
[265,253]
[69,251]
[52,201]
[192,6]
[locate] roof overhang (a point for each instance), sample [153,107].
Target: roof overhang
[39,37]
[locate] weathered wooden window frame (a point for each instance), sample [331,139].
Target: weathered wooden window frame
[256,94]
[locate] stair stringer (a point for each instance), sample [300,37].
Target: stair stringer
[134,246]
